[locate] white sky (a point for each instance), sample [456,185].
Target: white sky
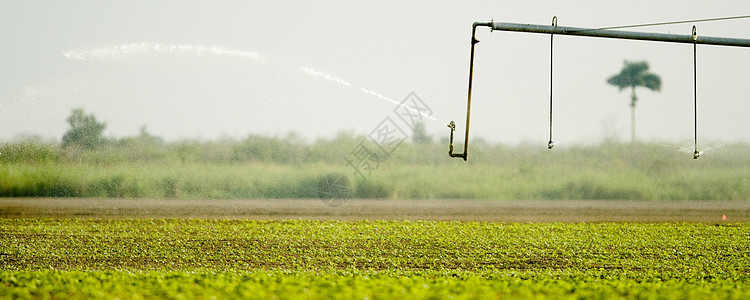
[211,69]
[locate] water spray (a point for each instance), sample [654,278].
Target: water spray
[149,49]
[117,53]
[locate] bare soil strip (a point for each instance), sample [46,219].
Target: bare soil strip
[357,209]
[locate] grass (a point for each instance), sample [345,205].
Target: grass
[275,168]
[250,180]
[371,259]
[516,180]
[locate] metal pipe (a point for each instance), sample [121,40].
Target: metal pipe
[452,124]
[617,34]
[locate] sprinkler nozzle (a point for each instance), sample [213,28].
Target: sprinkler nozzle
[550,144]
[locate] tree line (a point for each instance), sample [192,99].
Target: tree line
[84,141]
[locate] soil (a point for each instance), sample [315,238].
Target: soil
[361,209]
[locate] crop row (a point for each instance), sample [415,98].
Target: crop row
[515,284]
[89,258]
[668,248]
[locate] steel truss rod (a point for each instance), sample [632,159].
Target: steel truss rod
[585,32]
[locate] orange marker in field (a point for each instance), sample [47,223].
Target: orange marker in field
[723,217]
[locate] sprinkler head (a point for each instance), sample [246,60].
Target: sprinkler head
[550,144]
[696,154]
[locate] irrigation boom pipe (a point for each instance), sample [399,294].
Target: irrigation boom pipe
[576,31]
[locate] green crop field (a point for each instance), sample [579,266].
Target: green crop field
[56,244]
[188,258]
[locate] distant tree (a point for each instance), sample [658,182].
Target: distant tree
[632,75]
[419,135]
[143,139]
[85,131]
[147,137]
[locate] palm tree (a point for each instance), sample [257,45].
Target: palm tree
[635,74]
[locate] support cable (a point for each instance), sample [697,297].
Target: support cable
[673,22]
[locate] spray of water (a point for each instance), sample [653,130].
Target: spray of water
[379,96]
[335,79]
[326,76]
[691,150]
[37,106]
[145,50]
[117,53]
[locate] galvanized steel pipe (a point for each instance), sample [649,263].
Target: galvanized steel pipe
[617,34]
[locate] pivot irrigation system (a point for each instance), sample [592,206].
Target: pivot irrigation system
[598,33]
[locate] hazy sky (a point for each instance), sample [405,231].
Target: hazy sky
[211,69]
